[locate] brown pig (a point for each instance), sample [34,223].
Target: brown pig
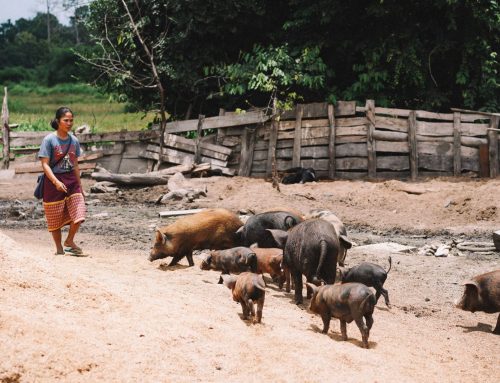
[346,302]
[209,229]
[270,261]
[247,288]
[482,293]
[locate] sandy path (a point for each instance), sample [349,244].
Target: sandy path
[116,317]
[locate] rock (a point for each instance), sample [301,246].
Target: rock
[442,251]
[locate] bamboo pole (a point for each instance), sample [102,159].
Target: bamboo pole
[5,131]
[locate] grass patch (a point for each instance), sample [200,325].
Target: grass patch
[33,107]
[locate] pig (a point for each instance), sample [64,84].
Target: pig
[346,302]
[209,229]
[310,248]
[269,260]
[369,274]
[329,216]
[254,230]
[234,260]
[247,288]
[299,176]
[482,293]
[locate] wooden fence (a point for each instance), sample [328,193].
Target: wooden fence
[345,141]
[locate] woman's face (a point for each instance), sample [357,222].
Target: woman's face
[66,122]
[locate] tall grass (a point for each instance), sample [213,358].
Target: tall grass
[33,106]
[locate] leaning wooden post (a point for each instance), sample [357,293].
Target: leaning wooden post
[297,139]
[220,134]
[493,146]
[271,151]
[412,144]
[370,140]
[197,152]
[457,145]
[247,147]
[331,142]
[5,131]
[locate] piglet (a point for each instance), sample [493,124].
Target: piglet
[482,293]
[346,302]
[234,260]
[247,288]
[270,261]
[369,274]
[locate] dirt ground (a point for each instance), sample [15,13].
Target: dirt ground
[116,317]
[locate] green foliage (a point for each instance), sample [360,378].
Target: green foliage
[275,71]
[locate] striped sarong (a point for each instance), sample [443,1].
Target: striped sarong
[63,208]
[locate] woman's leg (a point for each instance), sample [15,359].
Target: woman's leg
[73,228]
[56,236]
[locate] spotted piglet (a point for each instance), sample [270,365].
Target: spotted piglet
[247,288]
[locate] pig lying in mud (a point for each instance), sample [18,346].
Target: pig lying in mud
[310,248]
[482,293]
[247,288]
[346,302]
[209,229]
[329,216]
[369,274]
[231,261]
[254,230]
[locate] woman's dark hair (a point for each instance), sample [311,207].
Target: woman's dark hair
[59,113]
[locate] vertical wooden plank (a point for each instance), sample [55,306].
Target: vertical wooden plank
[247,146]
[412,143]
[271,152]
[220,132]
[298,136]
[484,165]
[457,146]
[370,140]
[197,152]
[5,131]
[331,142]
[493,146]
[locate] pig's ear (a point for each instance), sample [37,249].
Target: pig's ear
[228,280]
[471,283]
[313,289]
[345,241]
[278,236]
[160,237]
[289,221]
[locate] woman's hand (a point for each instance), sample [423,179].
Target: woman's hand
[61,186]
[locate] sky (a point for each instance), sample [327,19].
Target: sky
[15,9]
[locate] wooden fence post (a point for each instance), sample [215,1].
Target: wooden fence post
[247,146]
[493,146]
[370,141]
[219,135]
[5,131]
[457,145]
[412,143]
[297,140]
[271,151]
[331,142]
[197,152]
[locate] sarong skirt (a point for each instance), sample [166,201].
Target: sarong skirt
[63,208]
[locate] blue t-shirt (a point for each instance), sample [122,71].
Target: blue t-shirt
[54,148]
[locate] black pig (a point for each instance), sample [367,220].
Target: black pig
[369,274]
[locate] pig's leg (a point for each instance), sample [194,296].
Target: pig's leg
[363,329]
[297,279]
[176,258]
[244,308]
[343,329]
[260,306]
[325,317]
[287,278]
[497,328]
[251,308]
[385,293]
[190,259]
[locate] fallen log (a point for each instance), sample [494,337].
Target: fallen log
[159,177]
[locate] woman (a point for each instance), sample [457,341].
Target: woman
[62,190]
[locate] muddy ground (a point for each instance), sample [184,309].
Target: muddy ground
[114,316]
